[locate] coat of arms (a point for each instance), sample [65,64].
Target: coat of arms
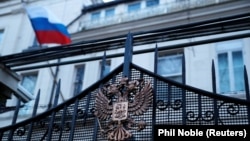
[118,102]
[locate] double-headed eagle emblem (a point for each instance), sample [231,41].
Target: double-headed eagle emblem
[117,103]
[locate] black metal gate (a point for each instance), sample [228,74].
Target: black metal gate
[173,104]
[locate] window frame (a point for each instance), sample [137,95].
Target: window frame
[94,16]
[78,83]
[105,72]
[228,48]
[23,75]
[108,15]
[173,53]
[152,3]
[1,35]
[131,6]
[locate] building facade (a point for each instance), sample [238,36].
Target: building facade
[17,33]
[106,22]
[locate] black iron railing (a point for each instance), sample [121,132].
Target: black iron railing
[174,104]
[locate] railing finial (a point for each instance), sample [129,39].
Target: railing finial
[128,55]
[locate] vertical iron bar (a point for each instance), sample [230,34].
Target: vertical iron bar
[214,91]
[128,55]
[169,94]
[247,92]
[62,122]
[74,116]
[103,65]
[86,109]
[33,115]
[1,135]
[199,109]
[14,119]
[54,84]
[183,90]
[16,112]
[53,113]
[246,84]
[94,137]
[154,90]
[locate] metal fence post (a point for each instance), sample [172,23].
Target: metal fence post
[74,118]
[214,91]
[155,90]
[184,113]
[103,65]
[14,119]
[94,137]
[50,127]
[33,115]
[128,55]
[247,92]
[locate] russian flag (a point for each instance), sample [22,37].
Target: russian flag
[47,27]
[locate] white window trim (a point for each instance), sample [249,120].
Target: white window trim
[100,66]
[74,82]
[224,48]
[132,4]
[170,56]
[105,12]
[2,39]
[30,73]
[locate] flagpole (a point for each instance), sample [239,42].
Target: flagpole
[54,74]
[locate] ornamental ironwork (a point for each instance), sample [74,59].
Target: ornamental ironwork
[116,103]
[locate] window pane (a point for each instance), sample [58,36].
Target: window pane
[169,65]
[29,82]
[106,67]
[238,68]
[223,73]
[95,16]
[78,80]
[110,12]
[134,7]
[1,35]
[150,3]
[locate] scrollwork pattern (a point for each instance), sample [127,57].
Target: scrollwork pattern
[176,105]
[21,131]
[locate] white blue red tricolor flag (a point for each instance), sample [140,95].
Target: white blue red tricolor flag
[47,27]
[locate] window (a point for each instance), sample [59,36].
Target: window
[1,35]
[230,67]
[134,7]
[78,83]
[106,67]
[109,12]
[29,82]
[150,3]
[96,16]
[170,66]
